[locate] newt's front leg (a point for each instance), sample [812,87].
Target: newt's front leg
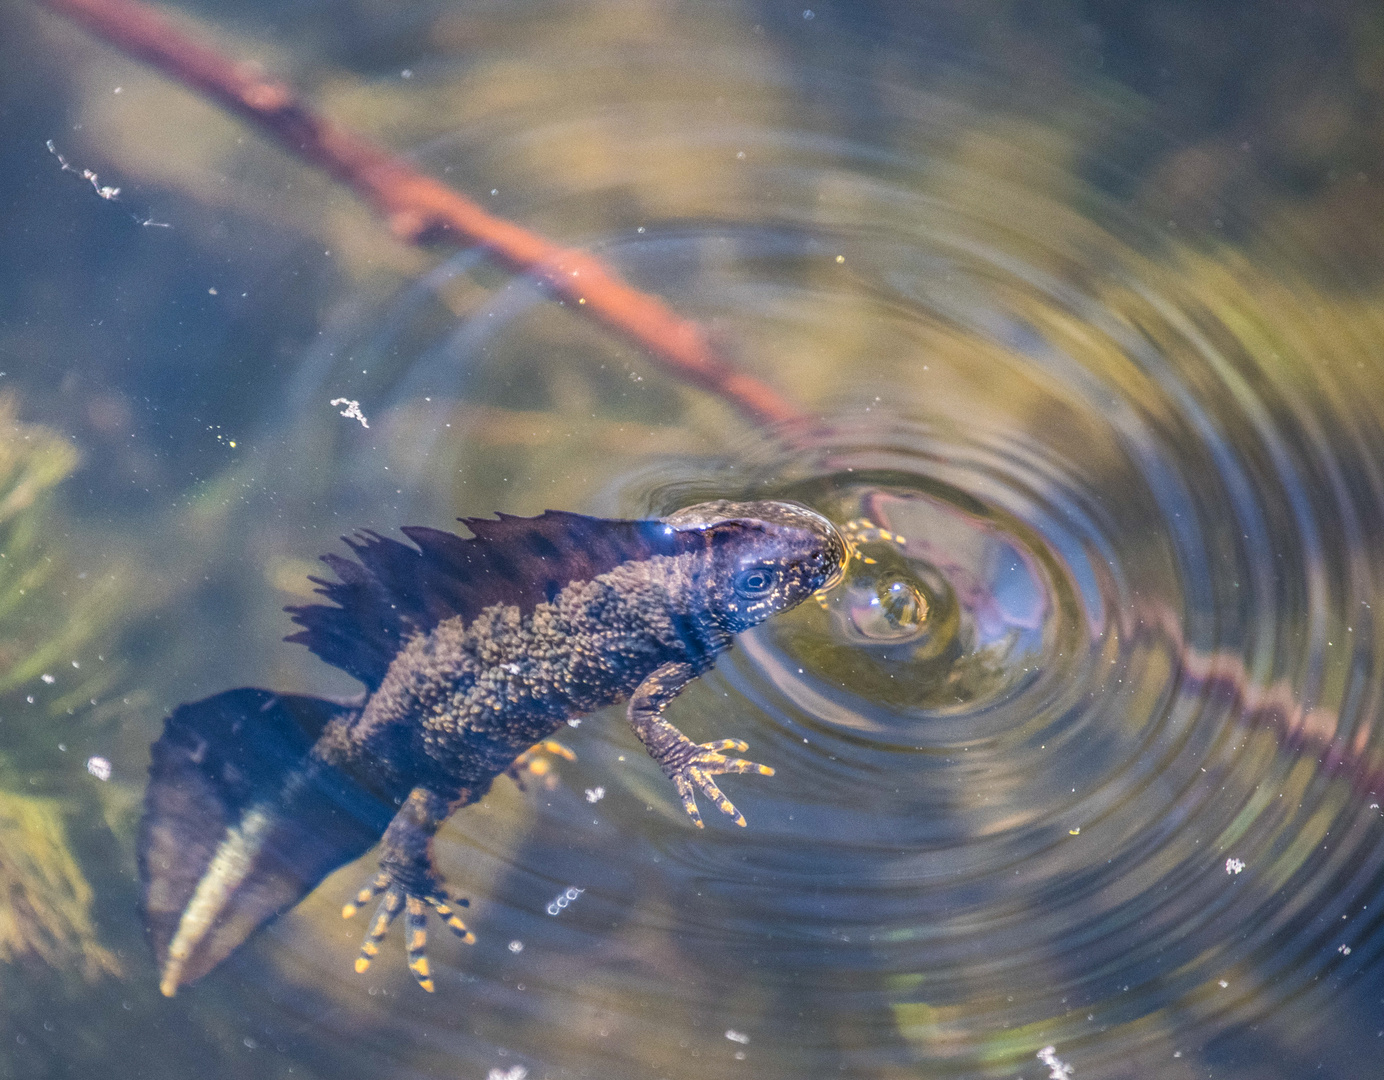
[687,764]
[409,883]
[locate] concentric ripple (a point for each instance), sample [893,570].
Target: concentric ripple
[1078,808]
[1084,753]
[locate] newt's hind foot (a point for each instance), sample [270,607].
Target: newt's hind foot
[691,767]
[532,763]
[415,908]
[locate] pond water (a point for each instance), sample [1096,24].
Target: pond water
[1077,774]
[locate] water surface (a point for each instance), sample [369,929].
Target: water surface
[1100,390]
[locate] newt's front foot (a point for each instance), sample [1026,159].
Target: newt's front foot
[415,909]
[691,766]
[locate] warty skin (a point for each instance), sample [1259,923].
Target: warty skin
[467,693]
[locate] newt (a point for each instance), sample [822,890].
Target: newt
[471,650]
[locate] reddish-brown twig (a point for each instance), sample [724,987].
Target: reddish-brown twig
[420,209]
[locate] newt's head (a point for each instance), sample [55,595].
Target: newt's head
[763,558]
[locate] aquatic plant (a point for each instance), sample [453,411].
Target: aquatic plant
[44,618]
[45,899]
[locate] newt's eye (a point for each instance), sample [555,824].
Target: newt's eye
[756,582]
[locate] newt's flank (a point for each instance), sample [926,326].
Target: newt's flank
[471,650]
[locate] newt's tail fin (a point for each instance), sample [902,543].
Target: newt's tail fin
[241,822]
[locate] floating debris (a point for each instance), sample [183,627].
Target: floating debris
[516,1073]
[352,410]
[99,767]
[104,191]
[595,794]
[110,194]
[1234,866]
[516,946]
[737,1036]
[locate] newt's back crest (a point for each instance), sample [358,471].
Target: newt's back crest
[396,591]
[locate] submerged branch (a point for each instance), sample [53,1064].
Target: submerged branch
[420,209]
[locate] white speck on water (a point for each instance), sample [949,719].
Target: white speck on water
[737,1036]
[595,794]
[516,946]
[1057,1068]
[1344,950]
[99,767]
[1234,866]
[352,410]
[1224,985]
[574,721]
[516,1073]
[809,14]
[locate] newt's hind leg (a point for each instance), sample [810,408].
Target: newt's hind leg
[409,883]
[689,765]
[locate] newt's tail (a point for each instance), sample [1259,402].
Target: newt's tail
[241,822]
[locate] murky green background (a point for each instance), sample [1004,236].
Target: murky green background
[1087,296]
